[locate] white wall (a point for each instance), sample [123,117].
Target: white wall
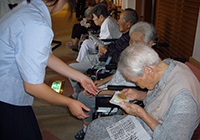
[128,4]
[196,50]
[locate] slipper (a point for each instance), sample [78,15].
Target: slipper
[74,47]
[69,44]
[79,135]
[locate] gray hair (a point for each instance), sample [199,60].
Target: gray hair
[130,15]
[134,58]
[147,29]
[88,13]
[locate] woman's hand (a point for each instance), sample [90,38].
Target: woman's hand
[134,94]
[88,85]
[76,108]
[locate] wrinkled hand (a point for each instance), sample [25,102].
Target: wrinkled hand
[88,85]
[76,108]
[102,49]
[107,92]
[132,109]
[134,94]
[98,83]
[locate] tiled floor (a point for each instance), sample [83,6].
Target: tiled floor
[56,119]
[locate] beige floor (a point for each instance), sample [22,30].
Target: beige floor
[57,119]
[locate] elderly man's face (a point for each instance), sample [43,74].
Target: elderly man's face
[123,25]
[136,37]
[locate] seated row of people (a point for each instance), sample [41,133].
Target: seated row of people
[127,18]
[85,25]
[140,32]
[172,104]
[109,29]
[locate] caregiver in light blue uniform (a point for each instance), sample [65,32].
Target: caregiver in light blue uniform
[25,51]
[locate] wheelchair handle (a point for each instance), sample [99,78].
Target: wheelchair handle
[161,44]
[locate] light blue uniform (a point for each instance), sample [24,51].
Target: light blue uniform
[25,45]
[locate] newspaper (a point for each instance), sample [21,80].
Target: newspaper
[128,128]
[96,39]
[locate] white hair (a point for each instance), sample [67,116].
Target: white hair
[134,58]
[146,29]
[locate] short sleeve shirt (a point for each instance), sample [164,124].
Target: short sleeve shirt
[25,45]
[109,29]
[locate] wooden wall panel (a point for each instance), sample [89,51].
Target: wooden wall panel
[176,22]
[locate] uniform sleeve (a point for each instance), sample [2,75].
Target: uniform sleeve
[32,53]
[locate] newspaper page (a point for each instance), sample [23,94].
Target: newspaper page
[96,39]
[128,128]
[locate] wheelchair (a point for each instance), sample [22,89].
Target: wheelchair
[102,70]
[104,108]
[114,13]
[55,44]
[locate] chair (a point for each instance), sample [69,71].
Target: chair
[105,108]
[102,69]
[96,33]
[196,71]
[96,71]
[157,45]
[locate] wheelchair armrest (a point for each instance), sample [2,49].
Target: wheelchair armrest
[140,103]
[103,101]
[120,87]
[111,66]
[109,40]
[102,59]
[155,46]
[161,44]
[58,43]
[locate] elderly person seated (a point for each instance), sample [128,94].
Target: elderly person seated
[108,30]
[127,18]
[85,25]
[172,104]
[141,32]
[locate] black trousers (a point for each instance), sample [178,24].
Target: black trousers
[18,123]
[78,30]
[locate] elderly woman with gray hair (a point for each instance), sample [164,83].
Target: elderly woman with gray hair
[172,104]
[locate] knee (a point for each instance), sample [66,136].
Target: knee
[89,102]
[73,65]
[83,98]
[85,43]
